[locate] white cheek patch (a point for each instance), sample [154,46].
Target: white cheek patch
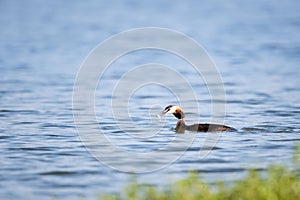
[172,109]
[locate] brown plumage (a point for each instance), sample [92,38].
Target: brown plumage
[181,126]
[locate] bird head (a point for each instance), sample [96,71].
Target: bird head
[175,110]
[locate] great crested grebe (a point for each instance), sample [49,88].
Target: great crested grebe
[181,126]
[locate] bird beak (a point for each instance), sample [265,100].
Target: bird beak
[162,113]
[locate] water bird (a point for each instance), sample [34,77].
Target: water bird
[181,126]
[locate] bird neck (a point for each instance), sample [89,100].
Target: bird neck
[180,126]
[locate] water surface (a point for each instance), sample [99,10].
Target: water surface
[255,47]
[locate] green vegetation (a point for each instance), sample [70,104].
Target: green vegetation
[277,183]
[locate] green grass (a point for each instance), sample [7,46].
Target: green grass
[277,183]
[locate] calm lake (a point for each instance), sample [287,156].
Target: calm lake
[255,47]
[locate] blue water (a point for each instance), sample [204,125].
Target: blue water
[255,47]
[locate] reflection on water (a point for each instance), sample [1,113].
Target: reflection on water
[255,47]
